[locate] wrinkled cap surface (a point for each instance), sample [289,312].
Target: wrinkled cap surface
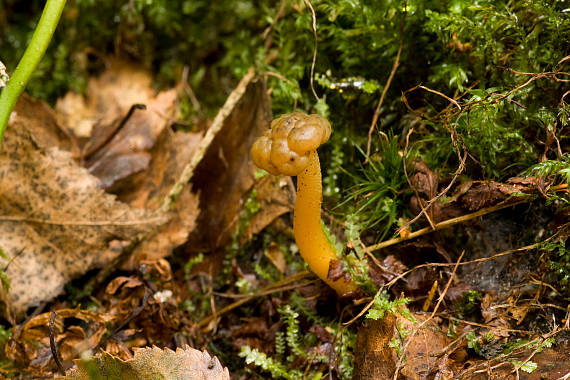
[285,148]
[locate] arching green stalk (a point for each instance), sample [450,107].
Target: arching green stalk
[32,56]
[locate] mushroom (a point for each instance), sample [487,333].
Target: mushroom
[290,148]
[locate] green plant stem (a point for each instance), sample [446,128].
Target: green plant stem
[32,56]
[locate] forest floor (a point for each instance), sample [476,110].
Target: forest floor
[169,248]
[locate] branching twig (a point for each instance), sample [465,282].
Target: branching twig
[278,286]
[188,89]
[457,172]
[420,202]
[403,275]
[418,327]
[448,114]
[445,224]
[501,358]
[268,32]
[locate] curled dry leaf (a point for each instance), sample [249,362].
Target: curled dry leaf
[428,340]
[387,270]
[108,98]
[30,341]
[55,221]
[275,196]
[424,180]
[226,173]
[127,152]
[119,140]
[154,363]
[274,253]
[468,196]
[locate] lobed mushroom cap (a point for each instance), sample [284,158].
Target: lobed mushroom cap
[286,146]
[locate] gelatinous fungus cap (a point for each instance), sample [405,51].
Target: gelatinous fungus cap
[286,147]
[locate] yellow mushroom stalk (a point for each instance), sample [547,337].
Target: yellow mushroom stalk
[290,148]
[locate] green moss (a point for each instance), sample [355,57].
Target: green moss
[294,347]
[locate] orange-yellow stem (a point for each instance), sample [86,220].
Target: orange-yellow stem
[312,241]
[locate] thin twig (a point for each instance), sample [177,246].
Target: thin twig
[442,295]
[314,16]
[279,76]
[482,325]
[403,275]
[188,89]
[481,260]
[268,32]
[418,327]
[386,87]
[53,345]
[447,348]
[420,201]
[501,358]
[459,170]
[442,95]
[217,124]
[278,286]
[375,260]
[445,224]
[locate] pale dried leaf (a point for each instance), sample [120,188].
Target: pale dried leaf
[155,363]
[142,160]
[55,221]
[276,256]
[108,97]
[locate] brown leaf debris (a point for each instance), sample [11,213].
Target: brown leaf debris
[55,221]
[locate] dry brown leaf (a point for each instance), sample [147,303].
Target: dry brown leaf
[390,268]
[155,363]
[127,152]
[253,332]
[142,160]
[122,282]
[108,98]
[171,153]
[423,348]
[373,356]
[276,256]
[30,344]
[226,173]
[117,150]
[55,221]
[275,195]
[424,180]
[468,196]
[376,356]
